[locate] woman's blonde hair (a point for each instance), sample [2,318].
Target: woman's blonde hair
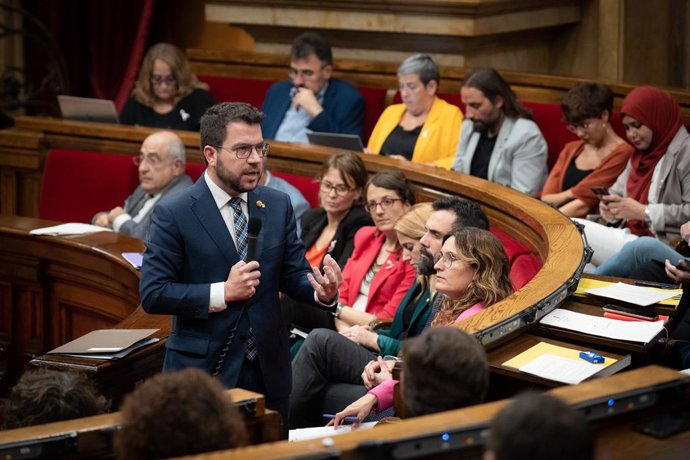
[179,66]
[413,223]
[484,253]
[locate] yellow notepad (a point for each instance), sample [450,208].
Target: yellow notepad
[542,347]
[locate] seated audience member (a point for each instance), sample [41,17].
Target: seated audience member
[652,195]
[472,274]
[327,371]
[299,203]
[375,277]
[443,369]
[167,94]
[311,100]
[644,258]
[161,172]
[331,228]
[178,413]
[596,160]
[46,396]
[498,140]
[539,427]
[424,128]
[413,311]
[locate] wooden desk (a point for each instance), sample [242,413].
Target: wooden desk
[609,433]
[93,435]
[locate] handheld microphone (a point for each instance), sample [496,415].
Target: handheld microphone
[253,229]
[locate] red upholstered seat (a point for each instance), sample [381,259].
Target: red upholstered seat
[195,170]
[230,89]
[77,184]
[374,103]
[307,185]
[523,264]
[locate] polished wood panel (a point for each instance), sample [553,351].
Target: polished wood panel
[552,236]
[94,434]
[611,434]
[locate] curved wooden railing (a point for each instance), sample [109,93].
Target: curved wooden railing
[548,233]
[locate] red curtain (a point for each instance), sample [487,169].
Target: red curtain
[102,41]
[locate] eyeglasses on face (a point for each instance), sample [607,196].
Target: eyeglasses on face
[160,79]
[385,204]
[304,73]
[153,159]
[244,151]
[340,189]
[446,258]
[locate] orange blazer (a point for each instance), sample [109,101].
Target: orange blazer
[389,285]
[604,175]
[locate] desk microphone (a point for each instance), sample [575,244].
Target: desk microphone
[253,229]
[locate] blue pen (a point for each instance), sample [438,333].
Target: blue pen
[345,419]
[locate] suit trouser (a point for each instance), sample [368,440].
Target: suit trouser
[326,359]
[252,379]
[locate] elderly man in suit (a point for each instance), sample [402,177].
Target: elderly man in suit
[311,100]
[198,265]
[161,164]
[498,139]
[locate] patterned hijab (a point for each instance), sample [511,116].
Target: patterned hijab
[657,110]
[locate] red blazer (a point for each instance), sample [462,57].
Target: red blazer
[389,285]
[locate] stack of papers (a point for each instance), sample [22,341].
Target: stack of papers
[69,229]
[643,331]
[302,434]
[637,295]
[586,285]
[107,343]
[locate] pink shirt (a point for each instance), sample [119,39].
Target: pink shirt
[473,310]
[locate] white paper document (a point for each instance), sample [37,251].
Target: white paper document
[633,331]
[561,369]
[637,295]
[69,229]
[302,434]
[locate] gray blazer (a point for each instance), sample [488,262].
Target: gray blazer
[518,159]
[141,229]
[669,198]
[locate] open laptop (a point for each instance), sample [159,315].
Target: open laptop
[87,109]
[341,141]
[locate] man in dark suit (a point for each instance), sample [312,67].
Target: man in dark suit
[161,163]
[311,99]
[227,317]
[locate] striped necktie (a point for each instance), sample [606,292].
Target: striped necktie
[240,224]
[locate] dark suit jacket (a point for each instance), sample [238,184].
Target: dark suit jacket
[189,248]
[315,220]
[343,109]
[141,229]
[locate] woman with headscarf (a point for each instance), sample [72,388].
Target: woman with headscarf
[652,195]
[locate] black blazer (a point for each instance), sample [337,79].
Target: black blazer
[315,220]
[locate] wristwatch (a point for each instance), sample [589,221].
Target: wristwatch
[338,309]
[647,217]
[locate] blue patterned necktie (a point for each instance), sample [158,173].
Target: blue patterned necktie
[240,224]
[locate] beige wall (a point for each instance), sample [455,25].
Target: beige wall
[636,41]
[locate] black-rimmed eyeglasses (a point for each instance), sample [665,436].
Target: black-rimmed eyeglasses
[244,151]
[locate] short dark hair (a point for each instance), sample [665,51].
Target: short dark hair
[491,83]
[216,119]
[178,413]
[467,212]
[443,369]
[540,427]
[395,180]
[586,100]
[312,43]
[48,395]
[352,169]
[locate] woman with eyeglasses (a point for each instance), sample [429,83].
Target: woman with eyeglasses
[167,94]
[472,273]
[331,228]
[651,197]
[424,128]
[595,160]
